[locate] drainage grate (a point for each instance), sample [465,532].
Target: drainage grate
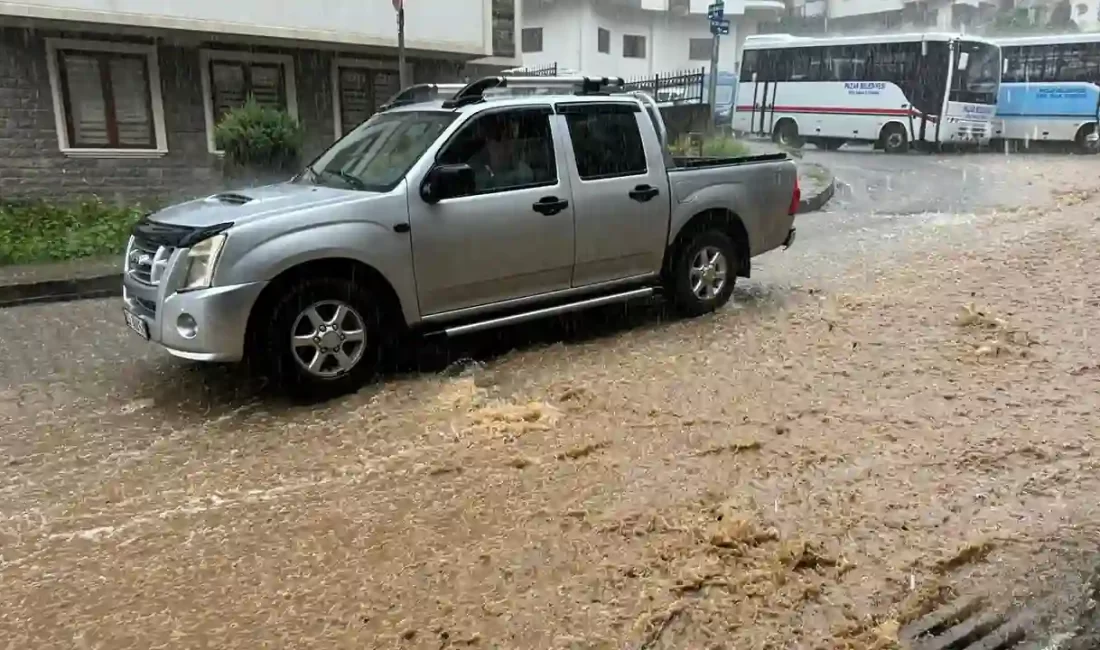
[970,626]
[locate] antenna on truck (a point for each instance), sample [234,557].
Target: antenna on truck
[474,92]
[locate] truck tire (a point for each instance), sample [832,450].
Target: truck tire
[703,272]
[321,337]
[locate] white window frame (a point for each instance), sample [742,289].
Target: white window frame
[208,55]
[160,134]
[344,62]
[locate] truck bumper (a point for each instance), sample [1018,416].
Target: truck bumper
[204,325]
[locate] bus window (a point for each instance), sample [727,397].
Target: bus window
[749,65]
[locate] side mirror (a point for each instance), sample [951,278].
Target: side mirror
[447,181]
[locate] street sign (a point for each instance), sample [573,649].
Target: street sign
[720,27]
[716,11]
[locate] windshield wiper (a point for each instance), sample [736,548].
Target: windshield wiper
[352,181]
[349,180]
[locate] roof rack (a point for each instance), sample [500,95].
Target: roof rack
[475,92]
[418,93]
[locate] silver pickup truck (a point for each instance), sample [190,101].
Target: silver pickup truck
[452,216]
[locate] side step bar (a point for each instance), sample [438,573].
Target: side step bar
[523,317]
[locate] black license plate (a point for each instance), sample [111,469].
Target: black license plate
[135,322]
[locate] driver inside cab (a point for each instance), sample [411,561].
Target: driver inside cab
[501,160]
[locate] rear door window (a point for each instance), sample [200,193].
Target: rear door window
[606,140]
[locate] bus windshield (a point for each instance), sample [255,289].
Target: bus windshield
[977,75]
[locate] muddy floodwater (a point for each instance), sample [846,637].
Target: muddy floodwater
[866,434]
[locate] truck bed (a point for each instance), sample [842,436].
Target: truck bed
[697,162]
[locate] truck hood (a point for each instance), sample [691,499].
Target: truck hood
[242,206]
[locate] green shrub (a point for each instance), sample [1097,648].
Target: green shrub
[723,146]
[259,137]
[36,231]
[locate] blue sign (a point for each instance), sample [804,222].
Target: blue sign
[716,11]
[720,27]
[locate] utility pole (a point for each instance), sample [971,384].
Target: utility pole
[402,73]
[719,26]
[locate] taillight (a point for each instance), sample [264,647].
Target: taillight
[796,198]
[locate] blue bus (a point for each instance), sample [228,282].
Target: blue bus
[1050,90]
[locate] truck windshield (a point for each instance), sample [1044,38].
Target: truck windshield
[378,153]
[977,74]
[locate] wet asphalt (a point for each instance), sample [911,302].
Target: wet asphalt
[882,201]
[59,355]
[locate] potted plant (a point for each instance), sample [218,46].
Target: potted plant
[262,144]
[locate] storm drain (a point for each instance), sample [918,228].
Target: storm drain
[969,625]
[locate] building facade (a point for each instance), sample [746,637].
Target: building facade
[984,16]
[635,38]
[119,98]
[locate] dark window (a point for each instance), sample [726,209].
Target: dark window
[232,82]
[508,150]
[633,47]
[504,27]
[1080,62]
[362,90]
[846,63]
[699,49]
[749,64]
[1015,67]
[603,40]
[108,101]
[531,39]
[606,140]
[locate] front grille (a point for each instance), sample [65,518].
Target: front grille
[146,262]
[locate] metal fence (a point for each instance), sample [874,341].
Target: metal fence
[548,70]
[683,87]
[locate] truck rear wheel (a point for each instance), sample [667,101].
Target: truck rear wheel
[321,337]
[703,273]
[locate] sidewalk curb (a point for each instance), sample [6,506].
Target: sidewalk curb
[818,201]
[100,286]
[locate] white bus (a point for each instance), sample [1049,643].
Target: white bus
[1050,89]
[895,91]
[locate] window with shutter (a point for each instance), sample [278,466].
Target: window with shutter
[107,100]
[361,91]
[232,82]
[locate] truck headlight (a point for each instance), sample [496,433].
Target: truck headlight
[202,259]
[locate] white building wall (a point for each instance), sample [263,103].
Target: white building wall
[570,38]
[843,8]
[458,26]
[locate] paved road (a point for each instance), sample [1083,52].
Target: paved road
[92,458]
[884,201]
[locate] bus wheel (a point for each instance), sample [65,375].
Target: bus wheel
[786,134]
[1087,142]
[895,139]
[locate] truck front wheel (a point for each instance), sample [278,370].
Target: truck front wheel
[321,337]
[703,273]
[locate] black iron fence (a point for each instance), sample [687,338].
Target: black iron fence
[683,87]
[548,70]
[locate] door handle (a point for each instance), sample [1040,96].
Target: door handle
[643,193]
[550,205]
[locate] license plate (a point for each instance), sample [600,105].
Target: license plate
[134,322]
